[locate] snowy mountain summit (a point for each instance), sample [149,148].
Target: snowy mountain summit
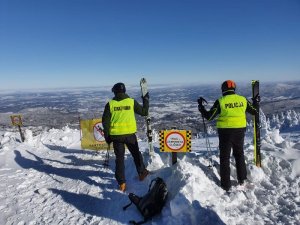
[48,179]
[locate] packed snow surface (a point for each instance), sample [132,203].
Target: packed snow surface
[49,179]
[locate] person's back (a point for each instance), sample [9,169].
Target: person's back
[122,120]
[230,110]
[119,125]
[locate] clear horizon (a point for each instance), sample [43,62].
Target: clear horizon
[134,86]
[58,44]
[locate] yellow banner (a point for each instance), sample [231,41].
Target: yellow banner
[16,120]
[92,135]
[175,140]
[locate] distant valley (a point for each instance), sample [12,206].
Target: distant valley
[170,106]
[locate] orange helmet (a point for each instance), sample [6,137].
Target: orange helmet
[228,85]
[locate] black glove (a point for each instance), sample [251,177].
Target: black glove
[146,97]
[256,99]
[200,104]
[201,108]
[201,100]
[107,139]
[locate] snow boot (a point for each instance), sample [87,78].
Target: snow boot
[122,187]
[143,175]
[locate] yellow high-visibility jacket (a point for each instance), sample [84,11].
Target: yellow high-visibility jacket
[122,119]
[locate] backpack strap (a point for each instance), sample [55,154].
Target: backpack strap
[137,223]
[133,199]
[126,206]
[151,183]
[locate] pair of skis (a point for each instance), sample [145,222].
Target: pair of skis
[257,126]
[144,90]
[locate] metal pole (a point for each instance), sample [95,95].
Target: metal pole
[208,148]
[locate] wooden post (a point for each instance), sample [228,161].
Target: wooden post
[174,154]
[174,158]
[21,134]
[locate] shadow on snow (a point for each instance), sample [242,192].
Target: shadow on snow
[72,173]
[106,205]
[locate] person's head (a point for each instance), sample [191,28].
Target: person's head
[228,86]
[119,88]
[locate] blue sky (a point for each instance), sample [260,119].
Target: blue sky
[60,43]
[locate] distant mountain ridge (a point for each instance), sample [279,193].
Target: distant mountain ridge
[170,106]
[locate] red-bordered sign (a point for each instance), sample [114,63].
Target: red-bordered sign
[175,140]
[92,134]
[98,132]
[16,120]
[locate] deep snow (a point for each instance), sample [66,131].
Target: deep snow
[48,179]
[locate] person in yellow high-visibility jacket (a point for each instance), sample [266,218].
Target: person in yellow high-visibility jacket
[231,110]
[119,125]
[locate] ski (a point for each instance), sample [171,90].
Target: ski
[144,90]
[256,136]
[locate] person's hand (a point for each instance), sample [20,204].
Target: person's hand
[201,108]
[201,100]
[256,99]
[146,96]
[107,139]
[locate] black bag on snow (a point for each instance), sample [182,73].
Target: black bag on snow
[152,203]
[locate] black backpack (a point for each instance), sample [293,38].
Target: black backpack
[152,203]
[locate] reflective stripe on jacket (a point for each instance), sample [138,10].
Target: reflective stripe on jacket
[233,111]
[122,117]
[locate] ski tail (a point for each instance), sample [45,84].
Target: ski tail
[256,133]
[144,87]
[144,90]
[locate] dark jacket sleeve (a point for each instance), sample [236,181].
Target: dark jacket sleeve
[212,113]
[250,108]
[106,119]
[141,110]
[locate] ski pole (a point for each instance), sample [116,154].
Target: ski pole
[106,160]
[207,143]
[208,147]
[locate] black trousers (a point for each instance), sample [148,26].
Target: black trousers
[119,143]
[231,138]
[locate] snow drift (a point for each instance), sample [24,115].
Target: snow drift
[48,179]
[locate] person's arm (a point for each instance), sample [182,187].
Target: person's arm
[142,110]
[212,113]
[250,108]
[106,122]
